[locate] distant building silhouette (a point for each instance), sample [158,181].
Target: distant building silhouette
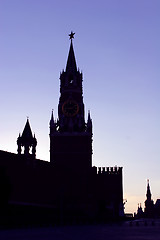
[149,204]
[68,188]
[151,210]
[140,212]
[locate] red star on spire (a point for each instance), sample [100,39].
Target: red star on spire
[71,35]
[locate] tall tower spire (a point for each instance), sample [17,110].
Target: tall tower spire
[148,195]
[71,62]
[71,138]
[71,107]
[149,204]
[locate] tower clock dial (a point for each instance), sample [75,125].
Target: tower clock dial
[70,108]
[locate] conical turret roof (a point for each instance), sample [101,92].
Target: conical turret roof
[27,133]
[148,195]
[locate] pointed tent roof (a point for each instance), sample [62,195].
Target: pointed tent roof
[52,123]
[89,123]
[71,62]
[52,118]
[27,133]
[148,195]
[89,116]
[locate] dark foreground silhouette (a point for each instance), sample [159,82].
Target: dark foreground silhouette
[69,188]
[143,230]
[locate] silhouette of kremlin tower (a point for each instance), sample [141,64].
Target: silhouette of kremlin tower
[68,188]
[27,141]
[151,210]
[70,136]
[149,204]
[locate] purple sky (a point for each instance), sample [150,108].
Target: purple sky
[117,47]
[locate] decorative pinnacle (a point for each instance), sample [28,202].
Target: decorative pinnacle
[71,35]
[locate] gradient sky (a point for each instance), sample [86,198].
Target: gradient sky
[117,47]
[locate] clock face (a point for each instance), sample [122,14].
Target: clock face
[70,108]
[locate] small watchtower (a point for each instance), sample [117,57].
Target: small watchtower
[27,141]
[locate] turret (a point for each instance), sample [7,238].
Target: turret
[27,141]
[149,204]
[139,211]
[148,195]
[52,123]
[89,123]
